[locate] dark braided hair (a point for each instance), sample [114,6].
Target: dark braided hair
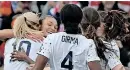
[90,23]
[126,31]
[102,15]
[71,16]
[114,24]
[120,18]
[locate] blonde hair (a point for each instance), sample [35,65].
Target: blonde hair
[23,26]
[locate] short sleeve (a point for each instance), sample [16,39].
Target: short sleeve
[92,53]
[113,59]
[112,55]
[45,49]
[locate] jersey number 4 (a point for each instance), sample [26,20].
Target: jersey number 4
[68,57]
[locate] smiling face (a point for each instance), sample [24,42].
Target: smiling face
[49,25]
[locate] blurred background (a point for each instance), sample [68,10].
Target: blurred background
[9,10]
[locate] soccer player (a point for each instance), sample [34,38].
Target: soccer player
[68,50]
[49,25]
[20,51]
[106,46]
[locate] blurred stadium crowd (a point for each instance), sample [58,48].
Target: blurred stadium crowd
[9,10]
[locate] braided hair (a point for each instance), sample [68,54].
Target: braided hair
[114,24]
[90,23]
[71,16]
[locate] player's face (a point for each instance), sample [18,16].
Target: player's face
[100,30]
[49,25]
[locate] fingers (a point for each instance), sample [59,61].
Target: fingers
[35,37]
[30,37]
[14,59]
[14,55]
[18,55]
[30,67]
[38,36]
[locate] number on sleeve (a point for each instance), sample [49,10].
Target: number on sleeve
[68,57]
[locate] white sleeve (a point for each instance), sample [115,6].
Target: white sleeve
[92,53]
[46,47]
[113,59]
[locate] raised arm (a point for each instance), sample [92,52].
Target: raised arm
[44,54]
[6,33]
[92,57]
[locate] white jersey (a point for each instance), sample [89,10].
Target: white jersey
[31,48]
[68,51]
[113,56]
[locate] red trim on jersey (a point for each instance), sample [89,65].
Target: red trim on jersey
[94,3]
[125,2]
[2,46]
[74,2]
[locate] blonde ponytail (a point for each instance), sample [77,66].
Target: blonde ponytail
[21,27]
